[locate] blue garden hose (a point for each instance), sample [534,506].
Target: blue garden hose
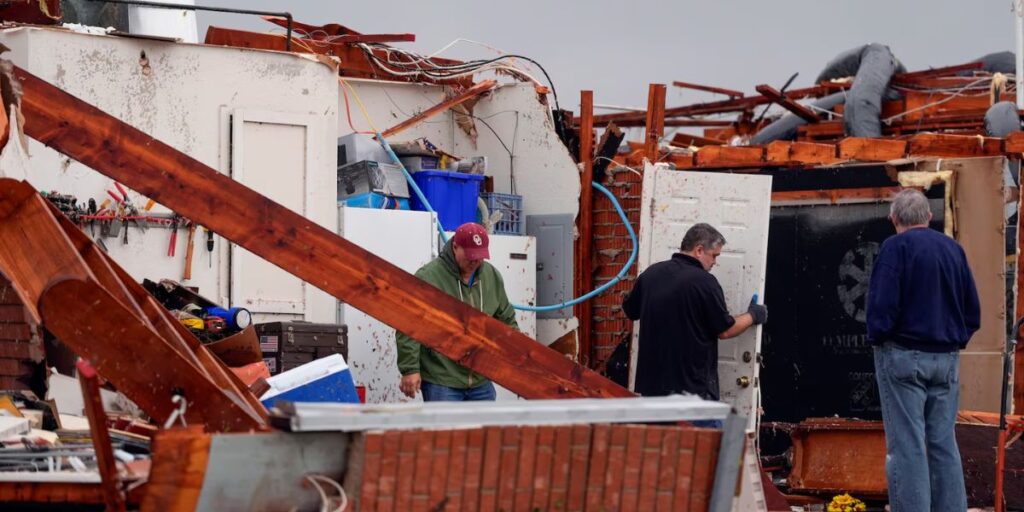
[618,277]
[525,307]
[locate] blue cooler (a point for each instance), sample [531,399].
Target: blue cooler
[324,380]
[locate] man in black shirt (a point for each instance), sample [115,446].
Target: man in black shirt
[682,316]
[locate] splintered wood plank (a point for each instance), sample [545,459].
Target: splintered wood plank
[453,102]
[934,144]
[780,99]
[730,156]
[180,457]
[809,153]
[301,247]
[105,462]
[655,122]
[777,152]
[866,149]
[685,140]
[835,195]
[707,88]
[1014,143]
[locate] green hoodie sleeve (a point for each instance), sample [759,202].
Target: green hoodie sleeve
[505,313]
[408,354]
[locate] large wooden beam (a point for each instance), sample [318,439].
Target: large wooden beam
[780,99]
[454,101]
[584,255]
[301,247]
[655,123]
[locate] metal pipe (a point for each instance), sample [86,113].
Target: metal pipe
[187,7]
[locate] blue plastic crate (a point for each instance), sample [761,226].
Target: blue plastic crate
[453,195]
[512,222]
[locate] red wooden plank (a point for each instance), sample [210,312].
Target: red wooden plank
[106,464]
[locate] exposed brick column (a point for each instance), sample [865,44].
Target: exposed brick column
[21,348]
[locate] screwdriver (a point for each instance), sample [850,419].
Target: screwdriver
[209,244]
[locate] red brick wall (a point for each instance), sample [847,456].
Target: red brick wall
[515,468]
[21,349]
[611,247]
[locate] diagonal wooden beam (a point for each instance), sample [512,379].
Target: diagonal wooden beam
[301,247]
[454,101]
[707,88]
[799,110]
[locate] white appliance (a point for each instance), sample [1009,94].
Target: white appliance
[516,258]
[408,240]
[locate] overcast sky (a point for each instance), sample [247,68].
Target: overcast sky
[616,48]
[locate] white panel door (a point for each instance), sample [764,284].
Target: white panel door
[408,240]
[270,154]
[738,205]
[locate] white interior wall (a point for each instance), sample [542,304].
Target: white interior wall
[181,94]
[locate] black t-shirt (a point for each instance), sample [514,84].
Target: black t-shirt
[681,309]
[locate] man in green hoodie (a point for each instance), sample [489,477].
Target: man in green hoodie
[459,271]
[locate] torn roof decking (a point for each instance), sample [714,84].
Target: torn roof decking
[848,150]
[301,247]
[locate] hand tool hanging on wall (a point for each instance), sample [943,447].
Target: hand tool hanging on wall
[174,237]
[187,274]
[209,244]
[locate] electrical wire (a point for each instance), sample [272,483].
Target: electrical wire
[617,165]
[452,71]
[325,501]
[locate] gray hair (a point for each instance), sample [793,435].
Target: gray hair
[910,208]
[702,234]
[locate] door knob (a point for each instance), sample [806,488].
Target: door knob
[743,382]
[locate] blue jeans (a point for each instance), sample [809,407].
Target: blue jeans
[439,393]
[920,394]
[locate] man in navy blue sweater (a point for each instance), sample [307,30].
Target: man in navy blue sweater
[922,310]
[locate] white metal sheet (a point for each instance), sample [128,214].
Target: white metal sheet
[309,417]
[738,205]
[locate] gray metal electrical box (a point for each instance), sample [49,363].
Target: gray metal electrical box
[554,235]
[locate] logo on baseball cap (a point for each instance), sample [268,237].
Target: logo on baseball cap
[472,237]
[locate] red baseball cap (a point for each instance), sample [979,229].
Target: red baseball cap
[472,237]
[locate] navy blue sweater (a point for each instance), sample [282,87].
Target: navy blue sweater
[922,294]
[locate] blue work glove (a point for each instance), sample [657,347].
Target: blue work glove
[757,311]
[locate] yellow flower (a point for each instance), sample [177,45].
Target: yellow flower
[845,503]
